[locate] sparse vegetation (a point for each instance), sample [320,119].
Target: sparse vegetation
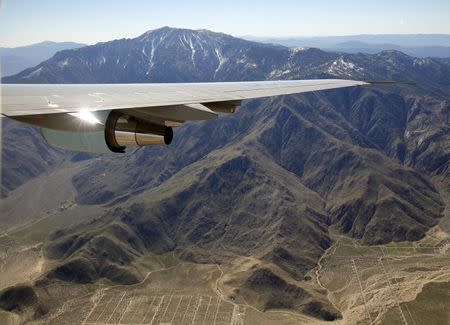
[234,217]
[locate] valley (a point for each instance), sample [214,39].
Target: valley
[368,284]
[379,284]
[327,207]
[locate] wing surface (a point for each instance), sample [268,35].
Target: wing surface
[32,99]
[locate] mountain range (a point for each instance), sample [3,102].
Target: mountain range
[16,59]
[276,181]
[404,40]
[421,45]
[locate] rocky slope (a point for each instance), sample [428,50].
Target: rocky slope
[268,181]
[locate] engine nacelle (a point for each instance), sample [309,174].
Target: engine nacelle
[117,132]
[122,131]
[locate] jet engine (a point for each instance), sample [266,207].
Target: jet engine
[122,131]
[107,131]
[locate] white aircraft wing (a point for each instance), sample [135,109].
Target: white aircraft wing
[32,99]
[102,117]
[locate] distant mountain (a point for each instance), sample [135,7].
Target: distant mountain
[411,40]
[414,45]
[159,56]
[177,55]
[269,181]
[16,59]
[422,52]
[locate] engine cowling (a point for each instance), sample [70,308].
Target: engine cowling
[122,131]
[116,132]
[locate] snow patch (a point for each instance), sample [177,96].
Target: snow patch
[191,44]
[221,60]
[154,45]
[298,49]
[342,67]
[152,53]
[278,73]
[64,63]
[200,43]
[420,62]
[144,53]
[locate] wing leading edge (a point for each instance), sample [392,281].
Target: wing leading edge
[31,99]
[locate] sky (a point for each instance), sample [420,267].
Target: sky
[24,22]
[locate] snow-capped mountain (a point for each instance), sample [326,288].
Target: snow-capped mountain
[180,55]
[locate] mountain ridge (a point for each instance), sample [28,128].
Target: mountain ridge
[213,52]
[269,182]
[16,59]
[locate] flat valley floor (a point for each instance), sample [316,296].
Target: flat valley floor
[404,283]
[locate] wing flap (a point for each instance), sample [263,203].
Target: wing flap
[177,113]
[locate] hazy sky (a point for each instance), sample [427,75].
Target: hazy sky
[90,21]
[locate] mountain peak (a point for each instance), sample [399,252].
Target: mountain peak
[166,30]
[160,29]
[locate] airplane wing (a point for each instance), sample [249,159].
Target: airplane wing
[26,99]
[148,108]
